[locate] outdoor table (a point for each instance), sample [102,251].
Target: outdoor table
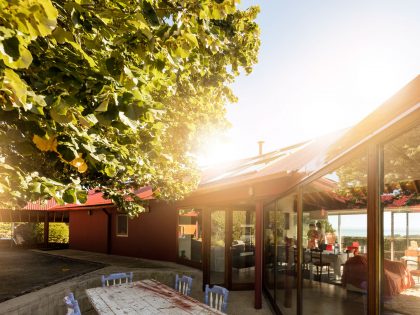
[144,297]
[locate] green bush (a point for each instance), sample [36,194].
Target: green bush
[33,233]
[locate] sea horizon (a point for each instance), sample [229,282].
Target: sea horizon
[387,233]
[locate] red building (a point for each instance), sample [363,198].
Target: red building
[244,224]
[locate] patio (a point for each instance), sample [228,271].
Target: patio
[49,300]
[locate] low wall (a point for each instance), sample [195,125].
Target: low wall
[49,300]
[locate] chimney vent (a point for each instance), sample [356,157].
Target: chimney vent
[260,147]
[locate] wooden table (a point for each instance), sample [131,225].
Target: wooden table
[144,297]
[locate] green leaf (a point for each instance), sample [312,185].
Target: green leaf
[67,153]
[78,48]
[150,14]
[192,39]
[69,196]
[62,36]
[11,47]
[103,107]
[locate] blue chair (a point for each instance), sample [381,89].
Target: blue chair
[183,284]
[117,278]
[216,297]
[72,305]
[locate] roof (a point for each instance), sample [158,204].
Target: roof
[306,158]
[299,158]
[95,198]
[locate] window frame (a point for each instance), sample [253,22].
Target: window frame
[117,225]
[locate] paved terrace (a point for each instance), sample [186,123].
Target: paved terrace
[49,300]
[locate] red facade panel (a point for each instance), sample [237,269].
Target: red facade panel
[151,235]
[88,231]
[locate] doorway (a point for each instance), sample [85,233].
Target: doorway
[231,248]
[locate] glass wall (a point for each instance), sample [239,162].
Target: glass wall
[280,239]
[217,246]
[190,235]
[242,248]
[401,224]
[334,238]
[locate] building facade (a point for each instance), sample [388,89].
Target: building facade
[252,224]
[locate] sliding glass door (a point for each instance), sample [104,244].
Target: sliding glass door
[280,252]
[334,239]
[401,224]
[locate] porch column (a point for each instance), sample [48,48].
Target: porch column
[258,253]
[407,230]
[339,232]
[392,235]
[46,229]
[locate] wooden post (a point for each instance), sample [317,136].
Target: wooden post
[339,233]
[374,233]
[407,230]
[46,228]
[392,235]
[300,254]
[258,253]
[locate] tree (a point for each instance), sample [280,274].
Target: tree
[113,95]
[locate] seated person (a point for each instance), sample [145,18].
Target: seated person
[312,237]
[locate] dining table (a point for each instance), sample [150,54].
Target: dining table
[145,297]
[335,260]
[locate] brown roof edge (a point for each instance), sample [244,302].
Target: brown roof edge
[399,103]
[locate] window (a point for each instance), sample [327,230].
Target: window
[334,236]
[122,225]
[189,235]
[401,224]
[280,252]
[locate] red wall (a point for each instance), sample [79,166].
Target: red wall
[88,232]
[151,235]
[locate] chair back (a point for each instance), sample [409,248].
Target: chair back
[117,278]
[316,255]
[216,297]
[72,305]
[183,284]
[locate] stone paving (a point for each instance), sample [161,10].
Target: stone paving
[49,300]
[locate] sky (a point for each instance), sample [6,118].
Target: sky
[323,66]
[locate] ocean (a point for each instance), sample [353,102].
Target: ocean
[387,232]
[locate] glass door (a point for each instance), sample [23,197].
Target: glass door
[231,247]
[242,249]
[217,247]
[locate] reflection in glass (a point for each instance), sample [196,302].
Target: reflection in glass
[189,234]
[334,237]
[401,223]
[280,238]
[217,246]
[286,240]
[243,246]
[269,247]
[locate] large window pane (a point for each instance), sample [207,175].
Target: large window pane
[242,249]
[334,239]
[401,223]
[217,246]
[286,232]
[280,239]
[269,248]
[189,235]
